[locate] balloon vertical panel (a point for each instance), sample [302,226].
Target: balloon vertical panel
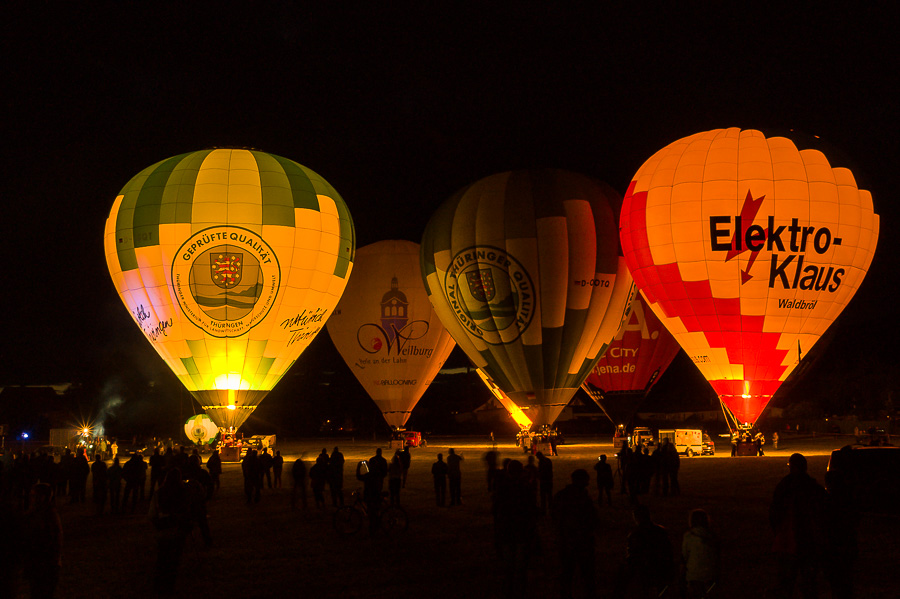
[747,248]
[230,261]
[523,269]
[387,331]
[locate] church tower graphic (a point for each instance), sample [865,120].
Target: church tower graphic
[394,308]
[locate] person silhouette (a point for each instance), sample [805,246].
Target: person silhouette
[41,542]
[604,480]
[545,477]
[439,473]
[298,472]
[649,563]
[454,476]
[336,477]
[700,555]
[515,529]
[114,474]
[797,516]
[99,483]
[576,522]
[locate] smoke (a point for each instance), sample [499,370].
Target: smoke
[110,400]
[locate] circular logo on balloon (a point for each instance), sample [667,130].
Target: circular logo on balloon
[226,279]
[490,293]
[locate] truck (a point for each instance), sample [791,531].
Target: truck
[689,442]
[64,438]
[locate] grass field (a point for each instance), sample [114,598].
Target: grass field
[269,550]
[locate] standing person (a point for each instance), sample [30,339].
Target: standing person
[65,473]
[797,516]
[700,555]
[649,563]
[405,461]
[439,473]
[114,475]
[576,523]
[378,465]
[624,462]
[170,513]
[42,542]
[842,521]
[141,468]
[157,466]
[775,440]
[372,484]
[318,476]
[545,478]
[214,465]
[298,472]
[395,478]
[99,483]
[265,466]
[454,474]
[131,472]
[490,462]
[515,529]
[529,475]
[604,480]
[250,468]
[277,467]
[671,464]
[759,439]
[82,469]
[336,477]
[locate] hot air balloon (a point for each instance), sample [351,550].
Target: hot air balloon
[387,331]
[230,261]
[523,269]
[635,359]
[747,248]
[200,429]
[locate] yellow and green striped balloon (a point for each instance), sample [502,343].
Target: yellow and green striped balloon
[524,271]
[230,261]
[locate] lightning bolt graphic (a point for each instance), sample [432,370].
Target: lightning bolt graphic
[748,214]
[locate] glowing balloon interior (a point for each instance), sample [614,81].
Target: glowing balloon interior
[200,429]
[524,271]
[747,249]
[387,331]
[640,353]
[230,261]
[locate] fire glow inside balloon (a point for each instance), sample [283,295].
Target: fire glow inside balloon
[523,269]
[387,331]
[230,261]
[747,249]
[638,355]
[200,429]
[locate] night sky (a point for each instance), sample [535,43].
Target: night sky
[398,109]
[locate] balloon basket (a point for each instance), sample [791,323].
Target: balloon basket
[746,448]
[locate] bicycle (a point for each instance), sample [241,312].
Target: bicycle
[349,519]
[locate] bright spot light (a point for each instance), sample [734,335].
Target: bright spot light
[231,381]
[231,407]
[24,435]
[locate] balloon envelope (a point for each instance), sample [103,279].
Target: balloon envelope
[230,261]
[387,331]
[747,249]
[524,271]
[200,429]
[635,359]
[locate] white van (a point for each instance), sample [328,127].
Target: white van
[687,441]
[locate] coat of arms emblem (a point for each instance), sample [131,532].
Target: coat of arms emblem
[226,270]
[481,284]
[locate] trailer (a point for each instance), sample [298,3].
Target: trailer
[687,442]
